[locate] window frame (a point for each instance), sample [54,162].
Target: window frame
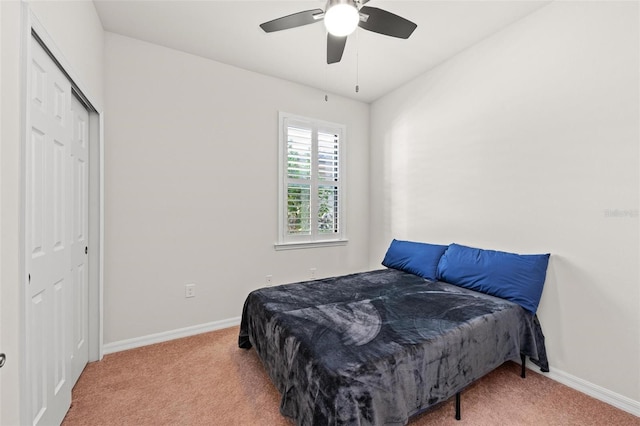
[314,239]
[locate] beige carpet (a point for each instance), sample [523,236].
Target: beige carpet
[208,380]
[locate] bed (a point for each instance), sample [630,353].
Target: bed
[378,347]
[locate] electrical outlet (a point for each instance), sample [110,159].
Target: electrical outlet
[269,280]
[190,290]
[312,272]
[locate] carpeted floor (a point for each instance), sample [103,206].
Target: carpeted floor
[207,380]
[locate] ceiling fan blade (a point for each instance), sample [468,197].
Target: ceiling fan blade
[383,22]
[335,48]
[294,20]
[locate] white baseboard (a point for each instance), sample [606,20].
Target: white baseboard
[151,339]
[598,392]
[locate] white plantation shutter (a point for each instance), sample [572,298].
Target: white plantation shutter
[311,195]
[299,150]
[298,209]
[299,146]
[328,176]
[328,157]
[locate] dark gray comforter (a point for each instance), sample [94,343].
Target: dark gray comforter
[377,347]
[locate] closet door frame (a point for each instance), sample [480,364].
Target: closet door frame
[33,29]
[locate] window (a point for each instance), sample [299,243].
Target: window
[311,182]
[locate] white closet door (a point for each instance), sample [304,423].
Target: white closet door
[79,185]
[47,243]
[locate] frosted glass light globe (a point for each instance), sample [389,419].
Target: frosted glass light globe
[341,19]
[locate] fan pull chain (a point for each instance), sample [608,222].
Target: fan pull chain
[326,79]
[357,60]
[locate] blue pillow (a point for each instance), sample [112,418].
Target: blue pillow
[416,258]
[515,277]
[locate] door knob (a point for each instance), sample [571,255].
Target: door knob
[3,359]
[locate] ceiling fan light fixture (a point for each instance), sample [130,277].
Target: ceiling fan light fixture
[341,17]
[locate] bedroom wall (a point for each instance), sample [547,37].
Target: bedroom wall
[528,142]
[191,170]
[81,45]
[9,213]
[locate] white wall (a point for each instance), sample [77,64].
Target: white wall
[1,331]
[77,34]
[528,142]
[191,155]
[9,211]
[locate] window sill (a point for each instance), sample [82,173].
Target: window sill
[309,244]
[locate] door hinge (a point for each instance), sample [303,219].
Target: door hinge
[86,249]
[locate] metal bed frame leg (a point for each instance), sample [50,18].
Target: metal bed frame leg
[523,359]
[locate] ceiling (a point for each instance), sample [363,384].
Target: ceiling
[229,32]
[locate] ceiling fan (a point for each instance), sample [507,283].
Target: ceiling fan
[341,17]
